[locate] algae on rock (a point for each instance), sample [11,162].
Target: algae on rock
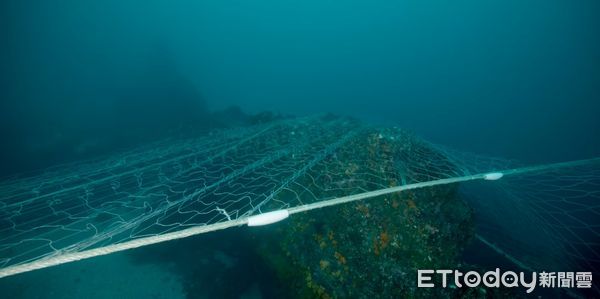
[375,246]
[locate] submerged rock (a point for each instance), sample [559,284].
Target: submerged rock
[372,247]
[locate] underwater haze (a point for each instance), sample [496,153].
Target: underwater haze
[83,80]
[508,78]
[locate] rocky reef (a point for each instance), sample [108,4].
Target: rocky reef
[372,247]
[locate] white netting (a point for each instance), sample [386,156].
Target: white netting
[543,221]
[178,188]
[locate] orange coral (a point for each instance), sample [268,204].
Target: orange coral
[363,209]
[381,242]
[411,204]
[341,259]
[320,240]
[384,239]
[331,238]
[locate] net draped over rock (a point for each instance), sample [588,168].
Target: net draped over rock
[181,187]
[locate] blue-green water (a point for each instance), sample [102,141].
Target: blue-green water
[79,80]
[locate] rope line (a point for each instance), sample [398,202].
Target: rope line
[59,258]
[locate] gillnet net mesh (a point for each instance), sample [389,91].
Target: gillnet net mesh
[232,174]
[544,221]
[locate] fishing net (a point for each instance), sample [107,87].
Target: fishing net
[543,221]
[178,188]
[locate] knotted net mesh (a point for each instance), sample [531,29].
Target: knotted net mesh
[222,178]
